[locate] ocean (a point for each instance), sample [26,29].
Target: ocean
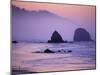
[31,56]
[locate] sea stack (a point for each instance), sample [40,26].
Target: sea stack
[81,35]
[56,38]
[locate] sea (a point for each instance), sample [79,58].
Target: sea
[31,56]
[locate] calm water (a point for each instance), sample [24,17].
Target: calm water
[24,56]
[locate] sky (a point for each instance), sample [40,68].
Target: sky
[80,15]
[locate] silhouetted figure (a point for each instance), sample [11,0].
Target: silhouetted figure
[56,38]
[48,51]
[81,35]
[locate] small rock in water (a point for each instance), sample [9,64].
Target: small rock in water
[37,52]
[62,51]
[14,42]
[48,51]
[59,51]
[69,51]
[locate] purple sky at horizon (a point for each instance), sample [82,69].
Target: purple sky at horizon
[81,15]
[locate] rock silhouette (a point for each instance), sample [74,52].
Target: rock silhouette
[48,51]
[56,38]
[14,42]
[69,51]
[81,35]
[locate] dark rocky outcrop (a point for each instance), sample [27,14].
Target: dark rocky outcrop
[14,42]
[69,51]
[48,51]
[81,35]
[56,38]
[59,50]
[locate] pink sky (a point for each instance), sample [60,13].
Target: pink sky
[83,15]
[60,9]
[74,12]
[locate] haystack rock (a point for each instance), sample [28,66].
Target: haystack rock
[82,35]
[56,38]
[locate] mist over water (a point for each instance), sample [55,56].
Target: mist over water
[38,26]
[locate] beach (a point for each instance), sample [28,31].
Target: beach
[24,56]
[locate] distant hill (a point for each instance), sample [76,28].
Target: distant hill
[38,26]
